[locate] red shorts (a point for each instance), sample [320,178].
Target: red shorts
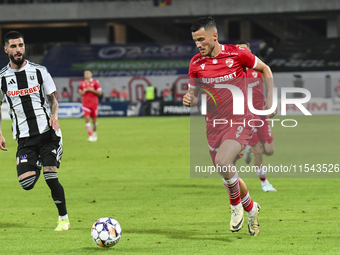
[262,134]
[239,133]
[90,110]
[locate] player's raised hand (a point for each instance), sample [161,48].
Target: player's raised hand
[189,99]
[3,143]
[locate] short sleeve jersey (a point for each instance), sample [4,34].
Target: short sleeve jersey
[25,90]
[90,98]
[228,67]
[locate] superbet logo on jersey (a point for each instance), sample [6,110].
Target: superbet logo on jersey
[23,92]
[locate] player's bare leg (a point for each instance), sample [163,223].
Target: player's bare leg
[226,159]
[94,134]
[258,150]
[268,148]
[247,154]
[88,128]
[58,195]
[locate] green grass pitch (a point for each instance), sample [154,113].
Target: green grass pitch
[138,173]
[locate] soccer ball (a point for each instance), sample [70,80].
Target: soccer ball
[106,232]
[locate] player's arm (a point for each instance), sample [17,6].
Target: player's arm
[81,90]
[191,97]
[97,92]
[268,80]
[2,139]
[52,100]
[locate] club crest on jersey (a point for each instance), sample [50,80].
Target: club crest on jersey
[32,77]
[202,66]
[23,92]
[23,158]
[254,74]
[229,62]
[215,61]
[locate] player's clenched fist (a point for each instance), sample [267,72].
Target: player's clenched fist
[190,99]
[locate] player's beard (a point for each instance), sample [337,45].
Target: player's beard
[17,62]
[208,52]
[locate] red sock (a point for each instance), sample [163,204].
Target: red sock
[247,202]
[94,127]
[233,187]
[88,129]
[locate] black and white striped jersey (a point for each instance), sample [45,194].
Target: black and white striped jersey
[25,90]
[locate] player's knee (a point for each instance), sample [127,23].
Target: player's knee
[28,182]
[269,152]
[220,161]
[225,169]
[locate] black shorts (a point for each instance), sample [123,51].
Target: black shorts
[45,149]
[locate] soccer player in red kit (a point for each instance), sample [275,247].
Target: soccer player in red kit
[262,139]
[225,64]
[90,89]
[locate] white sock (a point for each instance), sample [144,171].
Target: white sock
[252,211]
[261,173]
[236,206]
[65,217]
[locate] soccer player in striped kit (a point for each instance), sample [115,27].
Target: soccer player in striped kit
[25,85]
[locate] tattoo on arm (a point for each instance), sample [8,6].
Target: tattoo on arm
[53,103]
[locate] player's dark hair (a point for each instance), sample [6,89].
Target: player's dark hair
[13,35]
[205,22]
[243,42]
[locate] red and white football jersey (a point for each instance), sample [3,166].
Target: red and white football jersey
[254,81]
[228,67]
[89,98]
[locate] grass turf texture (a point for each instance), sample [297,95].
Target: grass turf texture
[138,173]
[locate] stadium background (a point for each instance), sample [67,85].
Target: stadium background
[135,42]
[131,43]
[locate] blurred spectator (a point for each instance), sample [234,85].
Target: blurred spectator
[150,93]
[57,95]
[114,94]
[65,95]
[167,94]
[337,90]
[123,95]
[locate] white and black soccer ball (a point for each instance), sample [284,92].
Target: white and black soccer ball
[106,232]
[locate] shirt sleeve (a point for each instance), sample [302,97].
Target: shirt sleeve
[247,59]
[97,86]
[192,75]
[1,96]
[80,88]
[48,83]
